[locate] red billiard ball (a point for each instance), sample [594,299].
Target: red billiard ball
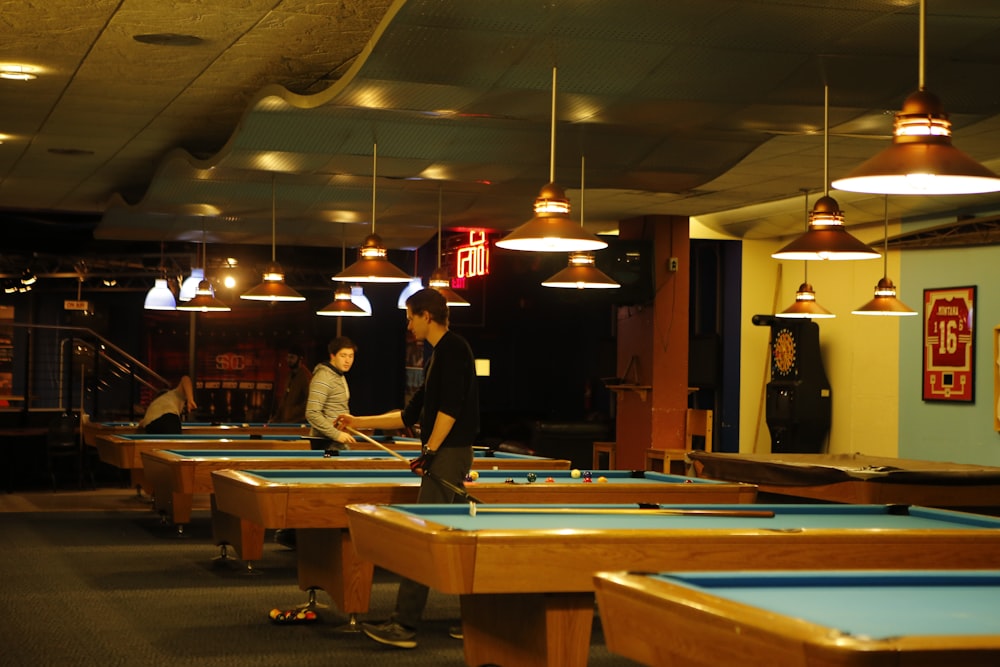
[550,479]
[587,480]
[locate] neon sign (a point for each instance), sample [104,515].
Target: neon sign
[472,259]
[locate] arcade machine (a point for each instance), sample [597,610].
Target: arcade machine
[798,405]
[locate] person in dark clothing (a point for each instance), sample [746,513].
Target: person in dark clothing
[446,410]
[291,409]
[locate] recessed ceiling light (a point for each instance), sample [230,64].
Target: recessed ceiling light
[168,39]
[17,72]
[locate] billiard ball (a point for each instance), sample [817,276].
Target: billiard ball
[550,479]
[587,480]
[531,476]
[574,473]
[509,480]
[474,475]
[602,479]
[588,475]
[468,477]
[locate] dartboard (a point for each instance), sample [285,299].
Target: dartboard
[784,352]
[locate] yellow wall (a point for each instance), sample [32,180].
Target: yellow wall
[860,354]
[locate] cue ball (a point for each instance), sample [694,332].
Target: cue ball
[474,475]
[575,474]
[532,477]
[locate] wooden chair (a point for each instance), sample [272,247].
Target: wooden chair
[697,430]
[604,451]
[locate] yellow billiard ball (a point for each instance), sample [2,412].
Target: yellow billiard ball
[602,479]
[574,473]
[474,475]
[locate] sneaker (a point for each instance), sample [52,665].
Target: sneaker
[391,633]
[455,632]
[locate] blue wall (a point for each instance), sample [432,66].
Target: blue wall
[940,431]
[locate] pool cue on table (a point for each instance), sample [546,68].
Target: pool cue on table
[459,491]
[673,511]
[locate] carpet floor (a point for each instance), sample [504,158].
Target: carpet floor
[96,579]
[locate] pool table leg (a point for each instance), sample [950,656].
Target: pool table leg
[327,560]
[527,629]
[244,536]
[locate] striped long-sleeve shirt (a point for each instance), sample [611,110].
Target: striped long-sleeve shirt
[329,396]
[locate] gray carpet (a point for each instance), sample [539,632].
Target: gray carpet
[119,588]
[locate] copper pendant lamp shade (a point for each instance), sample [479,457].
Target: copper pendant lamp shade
[805,305]
[885,302]
[342,305]
[273,288]
[551,229]
[580,272]
[921,159]
[826,237]
[204,301]
[373,265]
[439,281]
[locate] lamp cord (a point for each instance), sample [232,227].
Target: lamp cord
[439,225]
[923,34]
[273,215]
[374,165]
[885,238]
[552,143]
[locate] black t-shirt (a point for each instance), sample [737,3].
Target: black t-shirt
[450,386]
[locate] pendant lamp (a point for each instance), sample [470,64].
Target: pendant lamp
[204,300]
[885,301]
[581,272]
[190,284]
[826,236]
[921,159]
[439,279]
[159,296]
[805,305]
[551,229]
[273,288]
[372,265]
[343,304]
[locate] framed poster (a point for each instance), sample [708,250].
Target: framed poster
[949,344]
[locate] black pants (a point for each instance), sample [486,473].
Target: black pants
[168,424]
[452,464]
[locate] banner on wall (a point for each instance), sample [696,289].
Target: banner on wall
[949,344]
[234,374]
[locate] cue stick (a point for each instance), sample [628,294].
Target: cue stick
[749,514]
[457,490]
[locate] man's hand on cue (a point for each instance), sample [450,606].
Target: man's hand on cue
[423,462]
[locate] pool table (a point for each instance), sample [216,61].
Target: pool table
[856,478]
[525,574]
[125,450]
[246,502]
[92,429]
[803,619]
[174,476]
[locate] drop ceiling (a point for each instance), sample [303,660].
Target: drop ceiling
[154,121]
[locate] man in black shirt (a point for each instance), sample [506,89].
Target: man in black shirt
[446,409]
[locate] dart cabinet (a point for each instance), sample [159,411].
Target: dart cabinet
[798,404]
